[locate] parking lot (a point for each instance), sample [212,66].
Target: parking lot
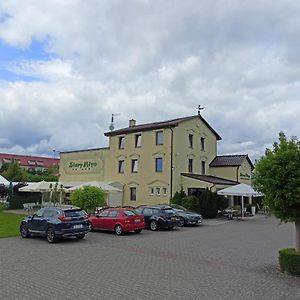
[217,260]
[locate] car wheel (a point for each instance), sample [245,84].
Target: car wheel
[118,230]
[80,237]
[50,235]
[153,225]
[181,222]
[24,231]
[138,231]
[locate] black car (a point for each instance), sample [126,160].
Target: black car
[158,216]
[56,222]
[186,217]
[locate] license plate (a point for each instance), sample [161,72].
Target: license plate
[77,226]
[137,220]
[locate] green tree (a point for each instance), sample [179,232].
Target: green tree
[277,175]
[13,172]
[88,198]
[178,197]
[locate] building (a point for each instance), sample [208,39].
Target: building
[30,163]
[152,161]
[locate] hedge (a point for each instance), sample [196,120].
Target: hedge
[289,261]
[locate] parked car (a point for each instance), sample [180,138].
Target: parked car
[158,216]
[56,222]
[186,217]
[119,220]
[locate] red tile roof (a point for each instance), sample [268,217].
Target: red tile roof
[230,161]
[210,179]
[159,125]
[29,161]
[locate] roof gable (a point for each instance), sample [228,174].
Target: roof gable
[160,125]
[230,161]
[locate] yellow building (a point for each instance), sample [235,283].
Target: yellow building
[152,161]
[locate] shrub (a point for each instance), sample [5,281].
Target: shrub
[190,203]
[289,261]
[88,198]
[178,197]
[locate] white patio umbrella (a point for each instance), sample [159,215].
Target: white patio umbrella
[243,190]
[38,187]
[104,185]
[4,181]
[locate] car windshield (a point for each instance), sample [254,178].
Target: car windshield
[168,210]
[129,213]
[75,213]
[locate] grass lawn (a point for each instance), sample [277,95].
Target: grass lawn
[9,224]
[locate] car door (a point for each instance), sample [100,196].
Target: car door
[112,219]
[100,220]
[147,212]
[34,224]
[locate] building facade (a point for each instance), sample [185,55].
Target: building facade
[152,161]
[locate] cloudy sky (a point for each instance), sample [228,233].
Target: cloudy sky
[66,66]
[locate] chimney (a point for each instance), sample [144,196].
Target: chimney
[132,122]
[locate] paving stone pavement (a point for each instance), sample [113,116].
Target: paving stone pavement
[227,260]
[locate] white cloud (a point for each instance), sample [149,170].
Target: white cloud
[151,60]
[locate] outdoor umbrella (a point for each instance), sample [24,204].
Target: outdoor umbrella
[243,190]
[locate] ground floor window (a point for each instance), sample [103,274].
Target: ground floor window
[133,193]
[195,191]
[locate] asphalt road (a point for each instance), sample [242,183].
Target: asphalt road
[217,260]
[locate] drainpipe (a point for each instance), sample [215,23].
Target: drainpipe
[171,175]
[237,174]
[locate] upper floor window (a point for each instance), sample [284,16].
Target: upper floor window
[159,138]
[121,166]
[191,140]
[158,164]
[138,140]
[203,167]
[133,193]
[121,142]
[190,165]
[134,165]
[202,144]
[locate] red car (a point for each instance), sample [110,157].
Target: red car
[119,220]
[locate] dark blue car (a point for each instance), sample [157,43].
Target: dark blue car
[56,222]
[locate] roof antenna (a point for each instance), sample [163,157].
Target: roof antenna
[112,125]
[199,109]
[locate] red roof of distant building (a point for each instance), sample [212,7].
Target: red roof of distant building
[29,161]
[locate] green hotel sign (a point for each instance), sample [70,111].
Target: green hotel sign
[82,165]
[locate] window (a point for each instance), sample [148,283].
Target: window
[148,212]
[158,164]
[133,193]
[190,140]
[203,167]
[159,138]
[164,191]
[121,166]
[49,214]
[158,191]
[151,191]
[202,140]
[134,165]
[190,165]
[121,142]
[113,213]
[129,213]
[138,140]
[103,213]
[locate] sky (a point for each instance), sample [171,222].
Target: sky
[66,66]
